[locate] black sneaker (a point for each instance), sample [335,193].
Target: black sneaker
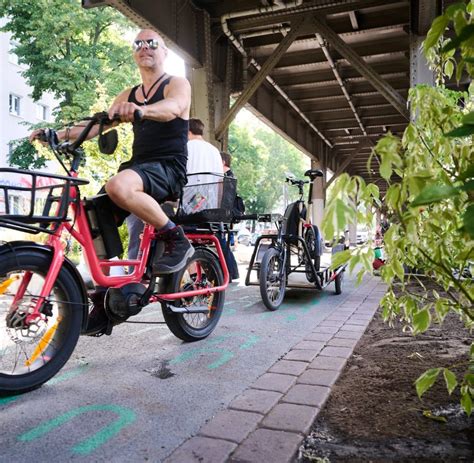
[98,322]
[176,252]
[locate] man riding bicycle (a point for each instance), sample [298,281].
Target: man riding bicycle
[157,170]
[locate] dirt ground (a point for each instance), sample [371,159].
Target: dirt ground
[373,413]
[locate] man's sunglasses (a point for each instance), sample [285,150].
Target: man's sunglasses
[150,43]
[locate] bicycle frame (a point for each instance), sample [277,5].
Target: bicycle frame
[80,230]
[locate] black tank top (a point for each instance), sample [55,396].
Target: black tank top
[159,141]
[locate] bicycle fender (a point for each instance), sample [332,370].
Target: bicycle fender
[48,251]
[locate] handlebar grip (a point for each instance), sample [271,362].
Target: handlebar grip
[138,115]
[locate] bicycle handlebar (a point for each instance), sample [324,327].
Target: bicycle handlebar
[50,136]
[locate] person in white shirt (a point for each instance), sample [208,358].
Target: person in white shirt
[204,171]
[202,157]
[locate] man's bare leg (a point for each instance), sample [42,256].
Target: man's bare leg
[126,190]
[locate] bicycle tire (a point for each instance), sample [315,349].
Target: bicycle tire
[180,324]
[45,354]
[310,240]
[270,273]
[338,283]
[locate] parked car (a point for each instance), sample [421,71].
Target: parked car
[244,236]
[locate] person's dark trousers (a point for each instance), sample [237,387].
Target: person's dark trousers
[229,258]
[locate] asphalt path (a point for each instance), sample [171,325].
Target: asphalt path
[138,394]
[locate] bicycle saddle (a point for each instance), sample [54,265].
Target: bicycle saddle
[313,173]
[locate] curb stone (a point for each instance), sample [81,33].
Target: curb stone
[277,411]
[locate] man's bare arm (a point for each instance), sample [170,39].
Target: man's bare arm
[72,133]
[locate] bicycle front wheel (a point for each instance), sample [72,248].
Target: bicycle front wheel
[272,279]
[32,352]
[202,271]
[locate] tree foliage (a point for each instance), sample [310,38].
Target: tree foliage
[260,160]
[431,204]
[74,53]
[82,58]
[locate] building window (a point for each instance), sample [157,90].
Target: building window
[14,102]
[41,111]
[12,56]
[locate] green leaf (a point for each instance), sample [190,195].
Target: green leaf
[340,258]
[421,321]
[466,402]
[468,173]
[468,186]
[468,119]
[426,380]
[449,68]
[468,220]
[450,379]
[433,194]
[465,34]
[435,32]
[429,414]
[463,131]
[454,8]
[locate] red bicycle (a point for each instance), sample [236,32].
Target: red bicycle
[44,304]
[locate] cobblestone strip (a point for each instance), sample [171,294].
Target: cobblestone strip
[268,421]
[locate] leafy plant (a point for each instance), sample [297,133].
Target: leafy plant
[430,202]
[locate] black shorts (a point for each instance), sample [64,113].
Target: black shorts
[161,180]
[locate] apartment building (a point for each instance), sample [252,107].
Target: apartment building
[16,109]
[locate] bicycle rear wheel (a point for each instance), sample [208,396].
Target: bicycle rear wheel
[202,271]
[272,279]
[32,353]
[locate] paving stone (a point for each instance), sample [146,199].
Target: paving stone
[300,354]
[326,329]
[337,318]
[359,318]
[291,417]
[306,394]
[368,311]
[199,449]
[309,345]
[337,351]
[319,337]
[318,377]
[348,334]
[349,327]
[337,323]
[274,382]
[267,445]
[288,367]
[341,342]
[231,425]
[322,362]
[254,400]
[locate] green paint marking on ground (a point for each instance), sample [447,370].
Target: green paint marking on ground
[57,379]
[253,339]
[212,347]
[225,356]
[7,400]
[68,375]
[125,417]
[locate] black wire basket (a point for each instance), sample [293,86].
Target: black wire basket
[207,197]
[35,202]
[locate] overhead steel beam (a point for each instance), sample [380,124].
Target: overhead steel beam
[178,22]
[283,16]
[332,65]
[259,77]
[392,96]
[342,167]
